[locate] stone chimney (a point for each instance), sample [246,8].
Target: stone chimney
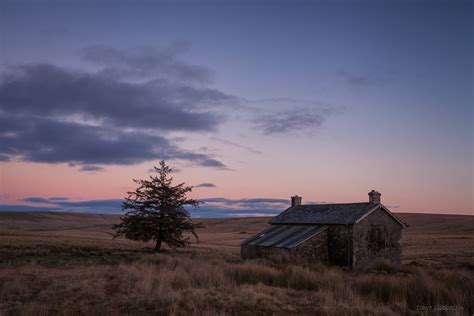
[374,197]
[296,200]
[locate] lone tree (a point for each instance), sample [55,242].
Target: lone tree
[155,211]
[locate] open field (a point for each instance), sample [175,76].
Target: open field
[69,264]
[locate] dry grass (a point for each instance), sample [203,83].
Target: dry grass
[213,283]
[71,273]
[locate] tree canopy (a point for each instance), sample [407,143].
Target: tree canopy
[155,211]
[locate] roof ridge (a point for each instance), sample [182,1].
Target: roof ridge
[337,213]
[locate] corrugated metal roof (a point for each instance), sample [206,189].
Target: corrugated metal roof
[324,214]
[284,236]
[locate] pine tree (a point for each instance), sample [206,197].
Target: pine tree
[155,211]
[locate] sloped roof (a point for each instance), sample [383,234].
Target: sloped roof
[339,214]
[284,236]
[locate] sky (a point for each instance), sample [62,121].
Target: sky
[250,102]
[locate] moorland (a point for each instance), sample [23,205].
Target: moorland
[70,264]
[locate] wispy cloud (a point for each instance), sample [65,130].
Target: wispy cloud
[35,199]
[91,168]
[365,79]
[205,185]
[230,143]
[278,116]
[173,170]
[247,205]
[148,62]
[65,205]
[58,199]
[294,120]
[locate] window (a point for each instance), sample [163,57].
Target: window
[377,237]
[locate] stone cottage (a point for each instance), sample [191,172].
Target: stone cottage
[348,234]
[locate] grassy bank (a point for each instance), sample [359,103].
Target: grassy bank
[213,282]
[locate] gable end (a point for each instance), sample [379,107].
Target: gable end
[386,210]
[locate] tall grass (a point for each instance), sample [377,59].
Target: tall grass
[216,284]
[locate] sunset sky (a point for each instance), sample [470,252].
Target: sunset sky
[251,102]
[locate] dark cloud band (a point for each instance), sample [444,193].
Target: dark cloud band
[56,115]
[213,207]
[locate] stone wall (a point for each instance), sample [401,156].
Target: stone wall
[261,252]
[376,236]
[314,249]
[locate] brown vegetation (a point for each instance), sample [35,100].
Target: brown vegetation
[57,264]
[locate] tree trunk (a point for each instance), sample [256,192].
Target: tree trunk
[158,245]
